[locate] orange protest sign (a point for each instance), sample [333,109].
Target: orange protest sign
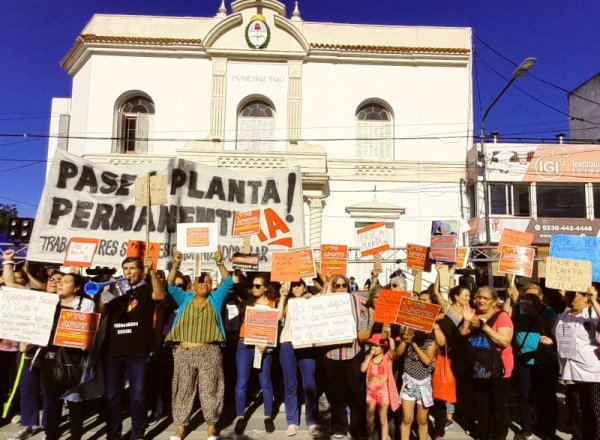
[76,329]
[334,259]
[246,223]
[80,251]
[417,257]
[462,257]
[418,315]
[285,266]
[372,239]
[137,248]
[515,238]
[261,326]
[516,260]
[387,305]
[443,248]
[307,262]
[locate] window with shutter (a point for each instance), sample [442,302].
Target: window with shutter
[256,127]
[134,121]
[374,133]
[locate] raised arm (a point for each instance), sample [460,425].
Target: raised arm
[177,259]
[512,296]
[33,281]
[436,289]
[9,269]
[158,288]
[218,257]
[284,291]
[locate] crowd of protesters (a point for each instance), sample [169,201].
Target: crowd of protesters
[166,338]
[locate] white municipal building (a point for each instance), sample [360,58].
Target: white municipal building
[376,116]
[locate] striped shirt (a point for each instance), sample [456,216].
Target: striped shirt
[197,324]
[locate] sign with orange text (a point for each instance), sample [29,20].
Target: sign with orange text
[372,239]
[137,248]
[516,260]
[76,329]
[246,223]
[417,315]
[417,257]
[285,266]
[196,237]
[515,238]
[334,259]
[307,262]
[387,305]
[80,251]
[261,326]
[443,248]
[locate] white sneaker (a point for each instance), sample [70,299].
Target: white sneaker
[25,432]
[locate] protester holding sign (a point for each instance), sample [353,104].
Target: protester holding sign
[262,295]
[490,333]
[128,342]
[62,367]
[577,338]
[303,359]
[199,331]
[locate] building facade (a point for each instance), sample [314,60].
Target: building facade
[377,117]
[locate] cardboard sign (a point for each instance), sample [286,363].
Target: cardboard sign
[307,262]
[577,248]
[417,257]
[245,262]
[563,274]
[285,266]
[443,248]
[196,237]
[417,315]
[246,223]
[322,320]
[462,257]
[334,259]
[137,248]
[516,260]
[387,305]
[27,315]
[261,326]
[158,190]
[372,239]
[515,238]
[80,251]
[76,329]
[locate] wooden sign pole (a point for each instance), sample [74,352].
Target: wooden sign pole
[418,278]
[246,245]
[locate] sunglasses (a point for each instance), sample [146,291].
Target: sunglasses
[340,285]
[54,280]
[258,286]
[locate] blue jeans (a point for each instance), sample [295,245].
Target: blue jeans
[114,382]
[30,388]
[291,361]
[244,358]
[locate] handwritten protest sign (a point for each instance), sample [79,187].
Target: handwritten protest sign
[76,329]
[136,248]
[261,326]
[285,266]
[387,305]
[417,315]
[372,239]
[246,223]
[577,248]
[196,237]
[27,315]
[443,248]
[80,251]
[417,257]
[334,259]
[322,320]
[516,260]
[515,238]
[563,274]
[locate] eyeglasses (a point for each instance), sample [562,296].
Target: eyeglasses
[483,298]
[258,286]
[340,285]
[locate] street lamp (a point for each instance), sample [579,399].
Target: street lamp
[518,73]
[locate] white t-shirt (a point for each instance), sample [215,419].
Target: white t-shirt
[575,339]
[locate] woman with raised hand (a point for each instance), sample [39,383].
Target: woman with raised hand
[262,295]
[292,360]
[72,297]
[199,331]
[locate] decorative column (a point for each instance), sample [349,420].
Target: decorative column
[219,89]
[315,205]
[294,100]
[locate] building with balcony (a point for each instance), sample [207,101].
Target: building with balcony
[377,117]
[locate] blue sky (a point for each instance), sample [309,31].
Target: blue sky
[563,35]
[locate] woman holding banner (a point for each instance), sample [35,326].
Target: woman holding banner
[54,383]
[262,295]
[199,332]
[292,360]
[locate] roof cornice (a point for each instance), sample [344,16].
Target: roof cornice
[390,49]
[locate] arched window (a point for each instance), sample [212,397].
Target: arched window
[135,116]
[256,126]
[374,132]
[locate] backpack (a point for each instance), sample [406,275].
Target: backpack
[485,353]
